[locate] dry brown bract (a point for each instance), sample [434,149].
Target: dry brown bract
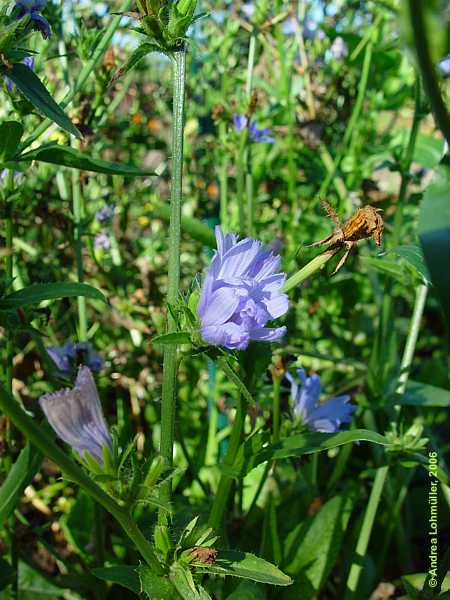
[365,223]
[201,554]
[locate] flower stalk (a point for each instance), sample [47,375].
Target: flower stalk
[168,406]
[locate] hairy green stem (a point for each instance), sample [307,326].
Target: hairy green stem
[78,216]
[170,365]
[416,13]
[43,442]
[366,530]
[96,57]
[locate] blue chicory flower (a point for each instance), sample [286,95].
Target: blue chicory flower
[67,356]
[76,416]
[325,417]
[256,135]
[242,291]
[102,241]
[32,8]
[105,214]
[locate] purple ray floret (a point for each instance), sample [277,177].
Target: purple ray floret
[255,134]
[66,357]
[326,417]
[241,293]
[77,418]
[32,8]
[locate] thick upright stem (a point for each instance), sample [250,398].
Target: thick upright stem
[77,207]
[170,353]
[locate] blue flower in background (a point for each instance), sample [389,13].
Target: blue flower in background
[105,214]
[325,417]
[32,8]
[444,65]
[102,241]
[339,48]
[256,135]
[242,291]
[68,356]
[76,416]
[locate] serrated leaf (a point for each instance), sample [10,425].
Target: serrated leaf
[139,53]
[67,156]
[10,135]
[250,454]
[34,294]
[168,339]
[155,586]
[123,575]
[20,475]
[434,233]
[36,93]
[247,566]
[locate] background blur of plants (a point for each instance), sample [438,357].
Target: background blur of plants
[336,84]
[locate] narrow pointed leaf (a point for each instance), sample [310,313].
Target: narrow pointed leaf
[34,294]
[35,91]
[123,575]
[70,157]
[10,135]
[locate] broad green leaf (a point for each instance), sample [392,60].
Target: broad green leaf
[34,294]
[434,233]
[247,590]
[66,156]
[34,91]
[10,135]
[404,263]
[251,453]
[428,150]
[423,394]
[155,586]
[20,475]
[247,566]
[123,575]
[168,339]
[78,523]
[182,579]
[33,586]
[313,546]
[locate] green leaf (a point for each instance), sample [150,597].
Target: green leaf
[139,53]
[428,150]
[155,586]
[66,156]
[247,566]
[251,454]
[123,575]
[33,586]
[313,546]
[78,523]
[34,91]
[247,590]
[183,581]
[169,339]
[404,263]
[423,394]
[434,233]
[20,475]
[34,294]
[10,135]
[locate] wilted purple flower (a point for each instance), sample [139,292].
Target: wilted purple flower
[444,65]
[339,48]
[325,417]
[242,291]
[256,135]
[102,241]
[77,418]
[32,8]
[105,214]
[68,356]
